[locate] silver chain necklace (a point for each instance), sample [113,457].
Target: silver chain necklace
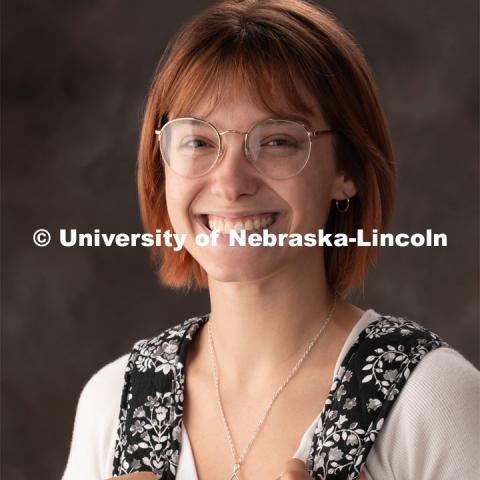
[238,460]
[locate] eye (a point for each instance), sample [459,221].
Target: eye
[279,142]
[195,143]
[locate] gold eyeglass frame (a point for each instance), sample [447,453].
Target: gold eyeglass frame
[312,135]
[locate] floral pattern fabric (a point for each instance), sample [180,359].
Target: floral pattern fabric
[364,389]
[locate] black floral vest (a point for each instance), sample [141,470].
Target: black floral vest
[364,389]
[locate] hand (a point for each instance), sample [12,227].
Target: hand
[136,476]
[295,470]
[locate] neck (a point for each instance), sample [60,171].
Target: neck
[268,324]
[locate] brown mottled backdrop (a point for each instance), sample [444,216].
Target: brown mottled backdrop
[74,80]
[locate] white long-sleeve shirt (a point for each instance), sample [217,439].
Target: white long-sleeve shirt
[431,433]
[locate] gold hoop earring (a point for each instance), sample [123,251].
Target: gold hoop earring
[342,210]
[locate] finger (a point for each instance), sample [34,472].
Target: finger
[295,470]
[294,465]
[136,476]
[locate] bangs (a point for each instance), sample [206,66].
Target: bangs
[223,71]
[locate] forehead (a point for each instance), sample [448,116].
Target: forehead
[239,110]
[244,97]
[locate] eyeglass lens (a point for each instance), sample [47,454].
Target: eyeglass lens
[276,148]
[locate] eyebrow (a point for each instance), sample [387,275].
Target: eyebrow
[300,119]
[294,117]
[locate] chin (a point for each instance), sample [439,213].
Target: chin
[236,276]
[243,267]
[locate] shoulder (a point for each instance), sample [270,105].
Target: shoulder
[431,431]
[394,342]
[383,350]
[442,383]
[446,386]
[102,389]
[398,328]
[164,351]
[104,395]
[184,329]
[96,420]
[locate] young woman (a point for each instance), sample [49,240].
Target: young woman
[263,115]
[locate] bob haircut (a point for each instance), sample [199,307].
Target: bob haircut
[277,49]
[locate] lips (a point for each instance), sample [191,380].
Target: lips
[249,223]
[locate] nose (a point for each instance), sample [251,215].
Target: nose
[233,176]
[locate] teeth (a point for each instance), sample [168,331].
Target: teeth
[250,223]
[227,227]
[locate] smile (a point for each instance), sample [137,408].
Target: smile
[249,223]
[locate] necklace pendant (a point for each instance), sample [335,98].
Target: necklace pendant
[236,468]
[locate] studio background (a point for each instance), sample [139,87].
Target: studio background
[74,80]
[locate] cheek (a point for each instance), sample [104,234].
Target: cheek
[315,190]
[177,199]
[313,202]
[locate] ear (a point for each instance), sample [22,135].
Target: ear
[343,187]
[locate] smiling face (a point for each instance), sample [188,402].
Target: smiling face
[235,195]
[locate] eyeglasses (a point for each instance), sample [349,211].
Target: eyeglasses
[278,149]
